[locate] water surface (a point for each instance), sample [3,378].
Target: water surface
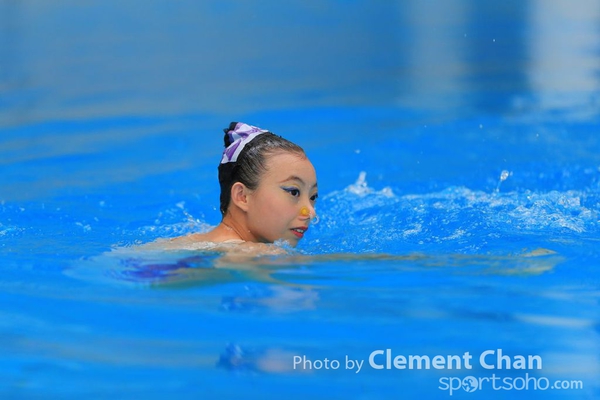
[456,146]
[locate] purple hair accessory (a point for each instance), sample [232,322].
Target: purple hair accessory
[240,135]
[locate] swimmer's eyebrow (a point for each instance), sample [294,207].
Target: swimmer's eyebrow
[298,179]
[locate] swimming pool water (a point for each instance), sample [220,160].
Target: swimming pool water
[457,152]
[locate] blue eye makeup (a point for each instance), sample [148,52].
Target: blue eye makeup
[295,192]
[292,190]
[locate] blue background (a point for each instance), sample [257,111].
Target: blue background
[110,135]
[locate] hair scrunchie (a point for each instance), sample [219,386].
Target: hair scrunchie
[239,135]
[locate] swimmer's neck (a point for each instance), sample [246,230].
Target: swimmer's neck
[234,228]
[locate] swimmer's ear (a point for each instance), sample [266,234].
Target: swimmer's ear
[239,195]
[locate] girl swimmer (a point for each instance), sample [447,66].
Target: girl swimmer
[268,192]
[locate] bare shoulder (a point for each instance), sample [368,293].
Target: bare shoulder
[257,249]
[235,248]
[176,243]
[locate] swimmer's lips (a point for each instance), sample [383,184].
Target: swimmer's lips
[299,232]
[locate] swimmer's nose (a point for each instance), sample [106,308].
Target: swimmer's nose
[308,213]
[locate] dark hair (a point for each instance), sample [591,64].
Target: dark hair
[251,163]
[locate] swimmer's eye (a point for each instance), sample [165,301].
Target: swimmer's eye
[293,191]
[314,197]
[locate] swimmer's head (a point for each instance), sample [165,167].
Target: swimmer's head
[247,149]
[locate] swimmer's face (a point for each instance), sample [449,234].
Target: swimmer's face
[277,208]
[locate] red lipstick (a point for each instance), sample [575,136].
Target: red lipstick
[300,231]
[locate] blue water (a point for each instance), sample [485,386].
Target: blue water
[457,152]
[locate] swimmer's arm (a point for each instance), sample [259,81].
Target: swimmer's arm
[282,257]
[355,257]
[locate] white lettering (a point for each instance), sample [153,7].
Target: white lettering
[400,362]
[350,364]
[482,359]
[372,359]
[420,360]
[438,362]
[502,358]
[538,361]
